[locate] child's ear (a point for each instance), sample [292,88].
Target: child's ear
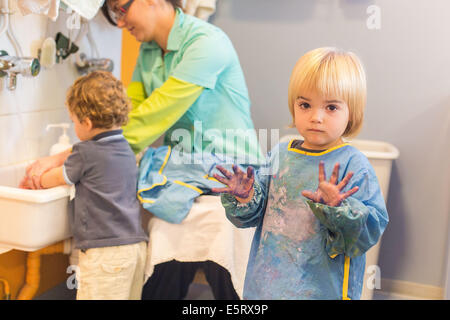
[88,123]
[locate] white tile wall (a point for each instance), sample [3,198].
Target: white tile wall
[36,102]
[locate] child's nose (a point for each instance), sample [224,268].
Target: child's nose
[317,116]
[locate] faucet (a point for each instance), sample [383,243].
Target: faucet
[12,66]
[85,65]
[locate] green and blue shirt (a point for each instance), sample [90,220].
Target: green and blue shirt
[195,93]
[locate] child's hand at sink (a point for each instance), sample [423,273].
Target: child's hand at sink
[33,174]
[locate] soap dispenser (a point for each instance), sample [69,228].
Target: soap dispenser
[63,142]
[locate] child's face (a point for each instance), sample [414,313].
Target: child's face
[83,129]
[320,120]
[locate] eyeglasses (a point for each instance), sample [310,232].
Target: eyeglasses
[117,14]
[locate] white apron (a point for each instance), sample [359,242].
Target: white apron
[205,234]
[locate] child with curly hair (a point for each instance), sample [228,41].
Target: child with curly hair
[106,217]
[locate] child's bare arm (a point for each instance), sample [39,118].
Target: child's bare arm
[34,171]
[52,178]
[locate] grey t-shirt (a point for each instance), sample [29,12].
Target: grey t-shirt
[106,211]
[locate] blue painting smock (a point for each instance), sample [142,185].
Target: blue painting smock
[169,181]
[302,249]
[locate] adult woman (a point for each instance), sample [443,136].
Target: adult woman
[187,78]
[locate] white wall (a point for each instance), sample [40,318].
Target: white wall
[408,66]
[25,112]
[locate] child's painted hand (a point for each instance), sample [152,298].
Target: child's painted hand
[329,192]
[239,185]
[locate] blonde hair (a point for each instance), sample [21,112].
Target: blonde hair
[100,97]
[331,73]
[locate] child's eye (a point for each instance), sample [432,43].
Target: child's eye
[304,105]
[332,107]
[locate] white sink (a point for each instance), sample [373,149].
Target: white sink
[30,219]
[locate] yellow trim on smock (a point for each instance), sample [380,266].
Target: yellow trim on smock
[314,154]
[206,176]
[181,183]
[347,259]
[142,200]
[346,276]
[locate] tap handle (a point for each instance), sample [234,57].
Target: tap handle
[35,67]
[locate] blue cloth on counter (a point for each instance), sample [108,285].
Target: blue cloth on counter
[302,249]
[169,181]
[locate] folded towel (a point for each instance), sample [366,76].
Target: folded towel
[49,8]
[202,9]
[85,8]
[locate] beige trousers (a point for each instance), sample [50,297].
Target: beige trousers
[112,273]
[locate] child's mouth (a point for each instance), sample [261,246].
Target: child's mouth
[315,130]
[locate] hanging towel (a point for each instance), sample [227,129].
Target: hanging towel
[49,8]
[85,8]
[202,9]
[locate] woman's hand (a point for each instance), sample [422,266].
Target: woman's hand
[33,173]
[328,192]
[239,185]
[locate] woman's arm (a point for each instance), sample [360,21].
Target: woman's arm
[156,114]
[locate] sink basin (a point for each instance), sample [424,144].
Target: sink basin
[30,219]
